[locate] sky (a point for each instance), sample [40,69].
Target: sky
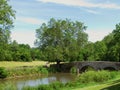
[100,16]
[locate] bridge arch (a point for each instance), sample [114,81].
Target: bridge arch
[86,68]
[109,68]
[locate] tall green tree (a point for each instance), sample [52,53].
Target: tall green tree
[61,40]
[115,43]
[112,42]
[7,15]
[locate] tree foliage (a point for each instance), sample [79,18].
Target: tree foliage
[61,40]
[7,15]
[114,45]
[58,40]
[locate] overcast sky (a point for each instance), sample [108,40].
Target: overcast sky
[100,16]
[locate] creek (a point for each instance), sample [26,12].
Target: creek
[37,80]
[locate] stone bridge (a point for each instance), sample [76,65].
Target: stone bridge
[97,65]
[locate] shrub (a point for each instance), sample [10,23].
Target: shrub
[30,88]
[73,70]
[72,84]
[3,72]
[44,87]
[52,70]
[42,70]
[7,86]
[52,86]
[56,85]
[95,76]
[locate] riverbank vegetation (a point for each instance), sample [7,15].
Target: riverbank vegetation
[22,71]
[100,80]
[87,79]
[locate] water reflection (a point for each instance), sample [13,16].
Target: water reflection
[34,81]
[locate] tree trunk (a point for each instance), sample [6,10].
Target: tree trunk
[119,57]
[58,65]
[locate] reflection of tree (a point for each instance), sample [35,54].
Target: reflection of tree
[61,77]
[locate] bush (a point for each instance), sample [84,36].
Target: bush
[52,70]
[42,70]
[56,85]
[52,86]
[95,76]
[73,70]
[30,88]
[3,72]
[72,84]
[44,87]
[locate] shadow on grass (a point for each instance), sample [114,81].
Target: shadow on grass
[115,85]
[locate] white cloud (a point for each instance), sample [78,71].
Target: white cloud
[30,20]
[92,11]
[96,35]
[24,37]
[83,3]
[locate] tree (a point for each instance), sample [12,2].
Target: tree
[114,48]
[23,53]
[99,50]
[36,54]
[112,42]
[88,52]
[20,52]
[61,40]
[116,33]
[7,15]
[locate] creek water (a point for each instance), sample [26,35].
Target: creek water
[37,80]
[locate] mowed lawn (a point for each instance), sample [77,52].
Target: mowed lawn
[13,64]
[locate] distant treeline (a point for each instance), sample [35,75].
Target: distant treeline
[18,52]
[107,49]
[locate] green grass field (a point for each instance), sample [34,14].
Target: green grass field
[13,64]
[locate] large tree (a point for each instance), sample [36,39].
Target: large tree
[61,40]
[114,45]
[7,15]
[112,42]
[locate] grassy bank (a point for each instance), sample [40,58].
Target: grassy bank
[110,85]
[20,69]
[13,64]
[22,72]
[25,71]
